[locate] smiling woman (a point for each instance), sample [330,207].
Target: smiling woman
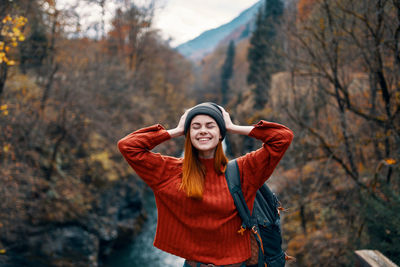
[204,135]
[197,218]
[204,128]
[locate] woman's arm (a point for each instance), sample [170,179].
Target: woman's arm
[257,166]
[233,128]
[154,168]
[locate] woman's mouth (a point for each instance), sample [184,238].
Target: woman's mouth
[204,140]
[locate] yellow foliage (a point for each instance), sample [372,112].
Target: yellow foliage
[7,18]
[2,251]
[6,148]
[11,33]
[100,155]
[4,110]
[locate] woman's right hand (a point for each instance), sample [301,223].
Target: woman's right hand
[180,129]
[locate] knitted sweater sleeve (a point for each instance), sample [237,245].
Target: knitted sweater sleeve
[256,167]
[153,168]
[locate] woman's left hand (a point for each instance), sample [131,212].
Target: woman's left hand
[233,128]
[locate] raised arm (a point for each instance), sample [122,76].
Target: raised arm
[179,130]
[153,168]
[233,128]
[256,167]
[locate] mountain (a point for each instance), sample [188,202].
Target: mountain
[237,29]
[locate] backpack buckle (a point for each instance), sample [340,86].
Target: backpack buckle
[241,230]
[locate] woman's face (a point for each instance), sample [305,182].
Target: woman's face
[205,135]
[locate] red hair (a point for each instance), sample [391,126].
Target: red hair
[193,170]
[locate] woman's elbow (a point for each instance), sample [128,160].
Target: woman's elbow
[122,145]
[286,136]
[128,148]
[290,136]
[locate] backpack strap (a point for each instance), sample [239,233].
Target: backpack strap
[232,176]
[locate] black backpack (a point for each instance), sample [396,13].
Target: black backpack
[264,222]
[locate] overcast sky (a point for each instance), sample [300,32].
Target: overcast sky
[180,20]
[183,20]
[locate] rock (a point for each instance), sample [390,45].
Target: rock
[118,219]
[127,230]
[67,246]
[115,220]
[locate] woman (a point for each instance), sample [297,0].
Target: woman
[197,219]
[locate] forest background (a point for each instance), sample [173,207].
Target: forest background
[329,70]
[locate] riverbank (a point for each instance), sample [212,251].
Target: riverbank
[115,219]
[141,251]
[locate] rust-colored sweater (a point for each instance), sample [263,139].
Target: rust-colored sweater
[203,230]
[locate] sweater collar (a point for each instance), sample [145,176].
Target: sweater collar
[207,162]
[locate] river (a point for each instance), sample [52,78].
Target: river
[142,253]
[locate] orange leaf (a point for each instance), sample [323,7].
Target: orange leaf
[390,161]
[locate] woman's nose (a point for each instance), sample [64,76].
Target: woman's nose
[203,130]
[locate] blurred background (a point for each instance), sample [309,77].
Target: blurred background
[77,76]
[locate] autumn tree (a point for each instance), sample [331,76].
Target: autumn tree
[11,34]
[262,54]
[324,57]
[63,111]
[341,90]
[34,50]
[227,72]
[128,32]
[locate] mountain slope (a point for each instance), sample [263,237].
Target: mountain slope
[238,28]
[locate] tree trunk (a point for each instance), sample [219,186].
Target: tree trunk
[3,76]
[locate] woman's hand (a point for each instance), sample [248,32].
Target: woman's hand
[180,129]
[181,123]
[227,118]
[233,128]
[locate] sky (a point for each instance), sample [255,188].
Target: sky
[183,20]
[177,20]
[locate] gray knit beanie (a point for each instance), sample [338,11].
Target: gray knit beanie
[210,109]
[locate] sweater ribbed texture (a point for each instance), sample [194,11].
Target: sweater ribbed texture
[203,230]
